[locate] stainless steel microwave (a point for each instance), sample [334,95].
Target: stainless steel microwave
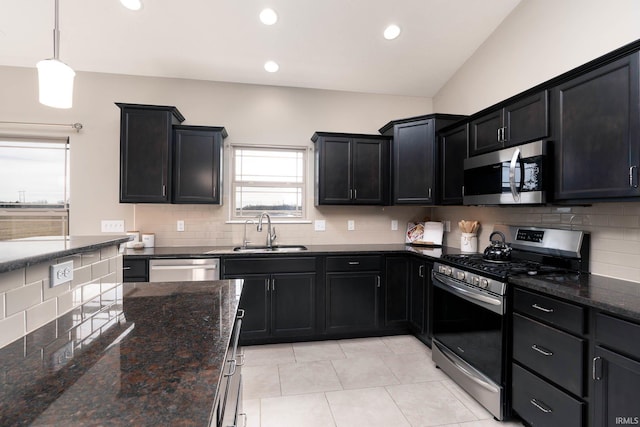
[512,176]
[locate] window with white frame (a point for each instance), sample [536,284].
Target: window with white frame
[34,187]
[268,180]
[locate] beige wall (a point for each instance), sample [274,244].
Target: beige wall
[538,41]
[251,114]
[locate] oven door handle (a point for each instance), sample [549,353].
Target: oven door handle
[512,175]
[467,370]
[446,283]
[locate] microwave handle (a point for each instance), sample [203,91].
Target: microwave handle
[512,175]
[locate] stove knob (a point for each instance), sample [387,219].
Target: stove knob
[461,275]
[484,283]
[476,280]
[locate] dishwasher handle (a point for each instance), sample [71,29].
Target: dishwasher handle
[184,267]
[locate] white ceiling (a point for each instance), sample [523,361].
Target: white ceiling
[326,44]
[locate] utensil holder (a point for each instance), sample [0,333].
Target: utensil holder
[469,242]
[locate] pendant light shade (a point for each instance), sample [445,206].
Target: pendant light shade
[55,78]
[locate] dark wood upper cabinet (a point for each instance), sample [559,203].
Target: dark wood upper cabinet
[351,169]
[145,152]
[197,165]
[415,160]
[453,151]
[596,132]
[164,162]
[517,122]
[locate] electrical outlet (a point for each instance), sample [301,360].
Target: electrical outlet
[319,225]
[394,225]
[351,225]
[60,273]
[112,226]
[180,225]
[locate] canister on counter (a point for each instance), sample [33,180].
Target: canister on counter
[136,238]
[149,240]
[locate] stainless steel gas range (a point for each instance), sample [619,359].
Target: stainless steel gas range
[471,329]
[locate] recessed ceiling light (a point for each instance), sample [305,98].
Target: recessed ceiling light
[132,4]
[271,66]
[268,16]
[391,32]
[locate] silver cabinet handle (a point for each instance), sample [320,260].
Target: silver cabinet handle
[631,175]
[421,271]
[355,194]
[126,268]
[240,314]
[164,190]
[354,262]
[378,280]
[350,194]
[232,369]
[498,137]
[268,282]
[429,192]
[542,350]
[540,405]
[594,368]
[546,310]
[273,285]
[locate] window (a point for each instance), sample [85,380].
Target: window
[268,179]
[34,188]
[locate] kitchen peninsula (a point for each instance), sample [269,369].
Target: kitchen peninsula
[132,354]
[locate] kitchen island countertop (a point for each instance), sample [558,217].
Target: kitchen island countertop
[156,360]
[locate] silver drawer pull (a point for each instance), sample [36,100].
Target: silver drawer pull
[354,262]
[241,359]
[542,350]
[232,369]
[546,310]
[544,408]
[240,314]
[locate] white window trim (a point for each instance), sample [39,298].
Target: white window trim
[307,160]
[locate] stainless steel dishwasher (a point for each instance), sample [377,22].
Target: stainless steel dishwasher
[183,269]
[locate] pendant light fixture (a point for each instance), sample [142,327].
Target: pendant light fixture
[55,78]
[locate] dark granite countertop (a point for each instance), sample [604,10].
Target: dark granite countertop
[155,359]
[615,296]
[227,251]
[20,253]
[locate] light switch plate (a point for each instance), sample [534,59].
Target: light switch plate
[319,225]
[180,225]
[351,225]
[394,225]
[60,273]
[112,226]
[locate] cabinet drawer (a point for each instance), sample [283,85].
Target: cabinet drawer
[541,404]
[550,310]
[618,334]
[269,265]
[135,269]
[550,352]
[354,263]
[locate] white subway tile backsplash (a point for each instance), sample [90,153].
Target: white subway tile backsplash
[108,252]
[12,279]
[81,275]
[41,314]
[48,292]
[90,257]
[22,298]
[99,269]
[12,328]
[90,290]
[65,302]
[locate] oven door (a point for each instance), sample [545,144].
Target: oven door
[507,177]
[468,340]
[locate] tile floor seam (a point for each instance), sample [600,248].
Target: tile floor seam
[333,416]
[398,406]
[337,376]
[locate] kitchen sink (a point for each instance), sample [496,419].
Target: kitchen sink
[267,249]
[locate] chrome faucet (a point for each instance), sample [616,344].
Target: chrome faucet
[244,239]
[271,232]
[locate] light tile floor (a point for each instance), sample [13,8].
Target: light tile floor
[369,382]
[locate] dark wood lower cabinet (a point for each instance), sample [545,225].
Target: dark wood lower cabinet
[352,301]
[420,299]
[396,292]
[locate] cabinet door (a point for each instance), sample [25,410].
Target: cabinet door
[334,171]
[293,304]
[396,292]
[483,133]
[145,163]
[197,168]
[453,151]
[596,128]
[413,163]
[617,387]
[370,171]
[527,120]
[352,302]
[255,303]
[135,269]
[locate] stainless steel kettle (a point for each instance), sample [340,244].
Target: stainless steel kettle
[498,250]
